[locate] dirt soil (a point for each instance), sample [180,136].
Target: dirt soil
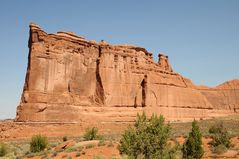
[18,133]
[109,150]
[15,130]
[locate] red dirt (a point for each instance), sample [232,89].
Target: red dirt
[112,151]
[11,131]
[15,130]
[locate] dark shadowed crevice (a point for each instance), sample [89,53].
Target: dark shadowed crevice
[135,102]
[144,90]
[99,92]
[41,109]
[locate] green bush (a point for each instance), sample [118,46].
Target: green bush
[101,143]
[70,149]
[89,146]
[220,135]
[38,143]
[64,138]
[148,138]
[92,134]
[192,148]
[173,151]
[3,149]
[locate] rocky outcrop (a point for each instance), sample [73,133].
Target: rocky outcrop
[70,79]
[224,96]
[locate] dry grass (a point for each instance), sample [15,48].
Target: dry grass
[231,124]
[21,148]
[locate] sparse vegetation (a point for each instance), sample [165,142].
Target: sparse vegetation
[148,138]
[38,143]
[192,148]
[3,149]
[92,134]
[172,150]
[230,123]
[101,143]
[70,149]
[220,149]
[65,138]
[98,157]
[220,136]
[90,146]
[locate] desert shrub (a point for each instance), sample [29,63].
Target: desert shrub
[101,143]
[90,146]
[173,151]
[3,149]
[147,138]
[38,143]
[65,138]
[192,148]
[92,134]
[98,157]
[220,135]
[70,149]
[220,149]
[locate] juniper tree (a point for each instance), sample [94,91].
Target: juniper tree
[147,138]
[192,148]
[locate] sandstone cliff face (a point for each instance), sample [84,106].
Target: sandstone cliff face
[70,79]
[224,96]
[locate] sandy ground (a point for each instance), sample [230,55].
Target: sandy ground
[15,130]
[109,150]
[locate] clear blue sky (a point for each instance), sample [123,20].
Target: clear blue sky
[201,37]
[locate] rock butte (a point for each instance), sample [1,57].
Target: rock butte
[70,79]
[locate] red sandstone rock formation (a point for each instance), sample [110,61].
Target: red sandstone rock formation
[70,79]
[224,97]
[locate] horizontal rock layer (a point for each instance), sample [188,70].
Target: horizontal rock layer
[70,79]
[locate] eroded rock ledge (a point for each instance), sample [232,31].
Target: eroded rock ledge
[71,79]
